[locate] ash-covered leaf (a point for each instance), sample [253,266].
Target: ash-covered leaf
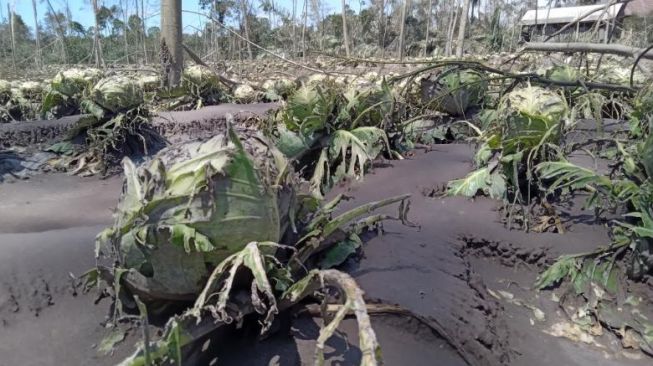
[109,342]
[339,253]
[481,180]
[565,266]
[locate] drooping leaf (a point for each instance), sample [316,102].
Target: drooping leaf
[481,180]
[339,253]
[355,148]
[565,266]
[570,175]
[109,342]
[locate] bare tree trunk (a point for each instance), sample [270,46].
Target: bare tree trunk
[97,43]
[144,33]
[304,30]
[62,34]
[243,10]
[402,27]
[12,25]
[171,42]
[463,27]
[37,36]
[428,26]
[614,49]
[319,23]
[450,31]
[3,45]
[382,24]
[294,28]
[344,27]
[124,29]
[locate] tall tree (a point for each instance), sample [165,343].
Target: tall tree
[12,24]
[171,42]
[428,26]
[344,27]
[305,15]
[402,27]
[245,23]
[61,32]
[143,33]
[124,7]
[37,36]
[97,43]
[294,28]
[462,29]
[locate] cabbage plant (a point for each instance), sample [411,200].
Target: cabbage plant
[117,125]
[454,91]
[529,117]
[191,207]
[67,89]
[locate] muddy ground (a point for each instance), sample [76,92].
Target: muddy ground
[458,270]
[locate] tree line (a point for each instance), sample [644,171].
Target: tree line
[118,34]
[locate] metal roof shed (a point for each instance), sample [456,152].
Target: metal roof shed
[569,14]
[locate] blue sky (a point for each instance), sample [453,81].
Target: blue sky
[81,10]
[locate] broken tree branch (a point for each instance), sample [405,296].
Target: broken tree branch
[531,77]
[614,49]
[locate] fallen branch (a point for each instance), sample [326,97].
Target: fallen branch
[531,77]
[614,49]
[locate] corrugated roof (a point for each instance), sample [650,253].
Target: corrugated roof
[640,8]
[569,14]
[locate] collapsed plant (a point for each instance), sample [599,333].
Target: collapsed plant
[117,125]
[200,216]
[66,91]
[525,130]
[454,90]
[346,131]
[23,101]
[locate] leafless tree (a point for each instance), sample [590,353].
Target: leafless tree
[37,35]
[460,45]
[171,42]
[344,27]
[402,27]
[97,43]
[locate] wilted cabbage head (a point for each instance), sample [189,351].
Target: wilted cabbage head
[245,94]
[149,82]
[454,90]
[117,94]
[317,79]
[74,81]
[192,206]
[531,114]
[643,104]
[200,77]
[564,73]
[368,104]
[278,88]
[5,91]
[31,90]
[613,72]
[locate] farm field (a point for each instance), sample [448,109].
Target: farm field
[471,200]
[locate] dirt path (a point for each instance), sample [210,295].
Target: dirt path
[430,271]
